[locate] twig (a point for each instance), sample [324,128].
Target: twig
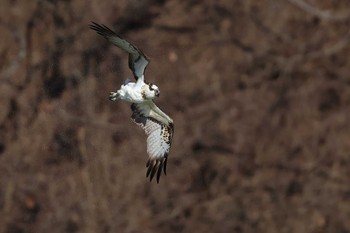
[323,14]
[340,45]
[14,64]
[324,52]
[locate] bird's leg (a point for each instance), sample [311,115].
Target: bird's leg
[120,94]
[114,95]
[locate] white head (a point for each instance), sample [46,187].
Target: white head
[150,91]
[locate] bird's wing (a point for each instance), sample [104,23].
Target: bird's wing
[137,60]
[159,129]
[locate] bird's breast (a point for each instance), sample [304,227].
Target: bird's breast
[133,93]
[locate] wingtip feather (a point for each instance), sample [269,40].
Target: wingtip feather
[165,163]
[101,29]
[155,168]
[160,167]
[149,168]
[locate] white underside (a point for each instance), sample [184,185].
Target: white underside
[130,91]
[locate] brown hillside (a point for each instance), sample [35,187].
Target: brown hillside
[259,92]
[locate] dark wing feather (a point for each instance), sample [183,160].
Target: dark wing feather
[137,60]
[159,137]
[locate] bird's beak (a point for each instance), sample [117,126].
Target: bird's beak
[158,93]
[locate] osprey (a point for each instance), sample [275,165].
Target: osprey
[157,125]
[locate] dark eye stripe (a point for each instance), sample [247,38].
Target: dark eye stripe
[150,86]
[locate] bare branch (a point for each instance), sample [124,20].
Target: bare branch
[323,14]
[340,45]
[15,63]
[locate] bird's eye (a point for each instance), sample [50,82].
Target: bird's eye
[151,87]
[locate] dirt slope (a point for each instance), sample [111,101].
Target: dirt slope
[259,92]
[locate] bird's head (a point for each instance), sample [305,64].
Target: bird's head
[152,91]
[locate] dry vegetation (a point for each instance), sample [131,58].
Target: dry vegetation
[259,91]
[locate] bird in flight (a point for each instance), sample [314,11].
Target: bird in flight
[158,126]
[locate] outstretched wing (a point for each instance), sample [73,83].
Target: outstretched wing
[137,60]
[159,131]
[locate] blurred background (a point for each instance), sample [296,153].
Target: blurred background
[258,90]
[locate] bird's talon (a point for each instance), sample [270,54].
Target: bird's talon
[113,96]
